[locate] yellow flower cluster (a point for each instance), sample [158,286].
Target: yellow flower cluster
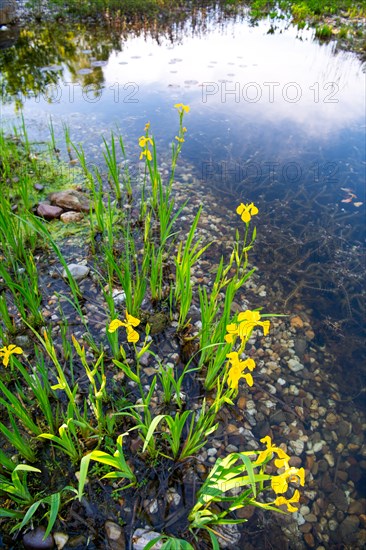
[237,370]
[281,482]
[247,321]
[182,108]
[129,323]
[144,142]
[246,211]
[7,351]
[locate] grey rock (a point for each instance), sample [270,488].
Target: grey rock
[33,540]
[294,365]
[22,340]
[348,529]
[339,499]
[300,346]
[142,537]
[79,272]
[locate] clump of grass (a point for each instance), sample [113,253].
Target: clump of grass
[324,32]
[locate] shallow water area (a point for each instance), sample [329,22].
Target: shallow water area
[277,119]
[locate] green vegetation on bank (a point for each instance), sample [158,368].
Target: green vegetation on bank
[342,20]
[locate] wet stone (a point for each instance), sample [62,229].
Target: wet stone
[33,540]
[78,271]
[71,217]
[339,499]
[309,539]
[48,211]
[354,473]
[348,529]
[142,537]
[60,540]
[296,322]
[357,507]
[344,428]
[294,365]
[115,535]
[300,346]
[71,200]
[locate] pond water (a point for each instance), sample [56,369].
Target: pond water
[276,118]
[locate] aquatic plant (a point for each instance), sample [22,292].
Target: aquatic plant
[85,393]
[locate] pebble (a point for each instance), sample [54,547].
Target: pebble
[115,536]
[294,365]
[71,217]
[330,459]
[317,447]
[33,540]
[141,537]
[339,499]
[173,497]
[311,518]
[242,401]
[60,539]
[79,272]
[309,539]
[296,322]
[348,529]
[297,446]
[113,530]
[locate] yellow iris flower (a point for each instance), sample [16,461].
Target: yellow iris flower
[246,211]
[7,351]
[143,141]
[282,500]
[146,154]
[280,483]
[182,108]
[236,371]
[280,462]
[128,323]
[247,321]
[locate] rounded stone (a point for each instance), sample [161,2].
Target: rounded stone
[33,540]
[294,365]
[113,530]
[60,540]
[71,217]
[79,272]
[48,211]
[348,529]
